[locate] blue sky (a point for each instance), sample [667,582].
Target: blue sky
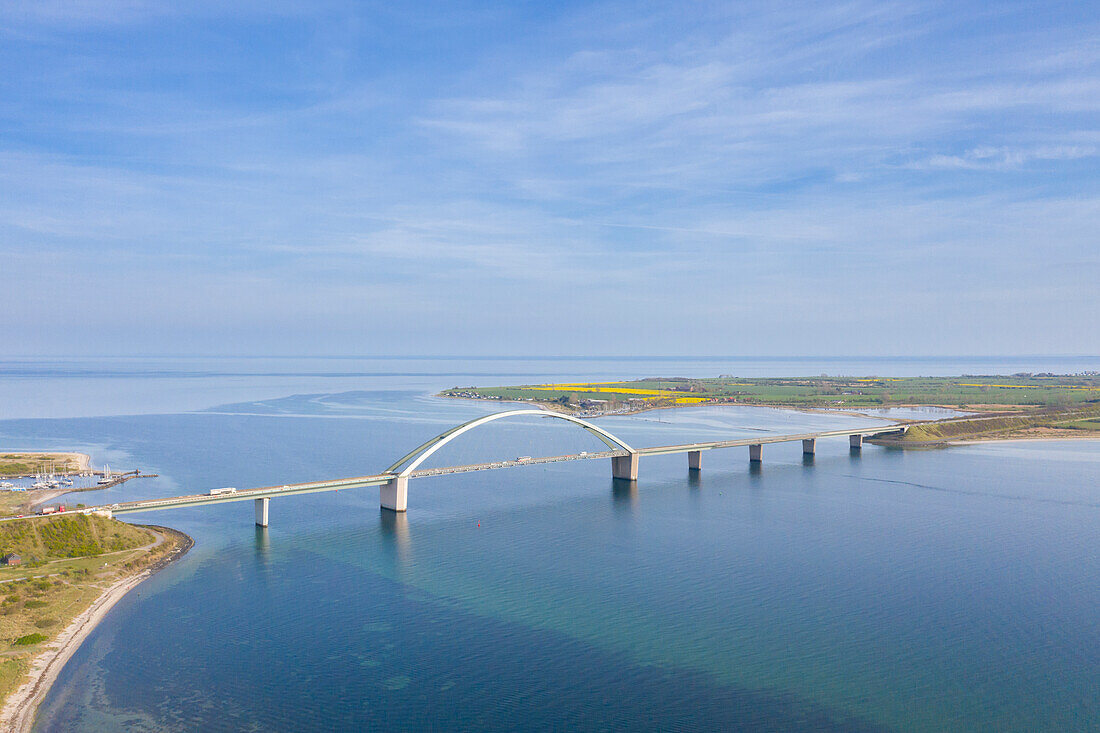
[769,178]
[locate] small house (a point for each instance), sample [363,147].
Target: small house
[11,559]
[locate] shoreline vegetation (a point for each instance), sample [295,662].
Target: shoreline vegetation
[1023,406]
[73,570]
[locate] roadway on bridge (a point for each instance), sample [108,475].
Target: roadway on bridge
[271,492]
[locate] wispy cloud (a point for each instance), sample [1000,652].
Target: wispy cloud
[488,172]
[991,158]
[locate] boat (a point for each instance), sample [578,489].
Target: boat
[106,476]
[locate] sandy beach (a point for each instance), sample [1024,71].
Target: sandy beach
[19,711]
[83,460]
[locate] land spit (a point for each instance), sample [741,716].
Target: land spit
[19,710]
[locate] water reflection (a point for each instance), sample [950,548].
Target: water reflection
[395,534]
[624,495]
[263,544]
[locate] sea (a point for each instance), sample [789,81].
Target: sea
[873,590]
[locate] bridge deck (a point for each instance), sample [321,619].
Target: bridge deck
[761,439]
[269,492]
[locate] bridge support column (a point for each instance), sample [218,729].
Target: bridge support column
[394,494]
[695,460]
[261,511]
[855,442]
[756,453]
[809,446]
[625,467]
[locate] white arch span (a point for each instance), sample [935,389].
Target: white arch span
[421,453]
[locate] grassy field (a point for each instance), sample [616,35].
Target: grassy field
[69,561]
[25,464]
[1089,425]
[1046,422]
[974,392]
[59,538]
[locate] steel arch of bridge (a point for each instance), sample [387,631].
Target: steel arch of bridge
[422,452]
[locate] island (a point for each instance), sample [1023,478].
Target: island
[1021,406]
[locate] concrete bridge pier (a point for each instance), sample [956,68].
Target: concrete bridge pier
[695,460]
[809,446]
[625,467]
[261,511]
[855,442]
[756,453]
[394,494]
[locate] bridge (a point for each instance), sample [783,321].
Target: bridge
[393,483]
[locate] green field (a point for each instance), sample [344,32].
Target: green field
[42,540]
[975,392]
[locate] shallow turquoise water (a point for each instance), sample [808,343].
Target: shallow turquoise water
[938,590]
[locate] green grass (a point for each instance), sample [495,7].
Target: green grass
[12,671]
[30,639]
[1089,424]
[44,539]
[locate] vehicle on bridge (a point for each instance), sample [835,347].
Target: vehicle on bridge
[225,490]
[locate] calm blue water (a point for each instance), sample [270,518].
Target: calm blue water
[888,590]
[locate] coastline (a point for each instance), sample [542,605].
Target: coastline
[1061,435]
[20,709]
[1024,439]
[858,411]
[554,407]
[83,460]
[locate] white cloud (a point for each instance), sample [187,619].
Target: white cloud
[1003,158]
